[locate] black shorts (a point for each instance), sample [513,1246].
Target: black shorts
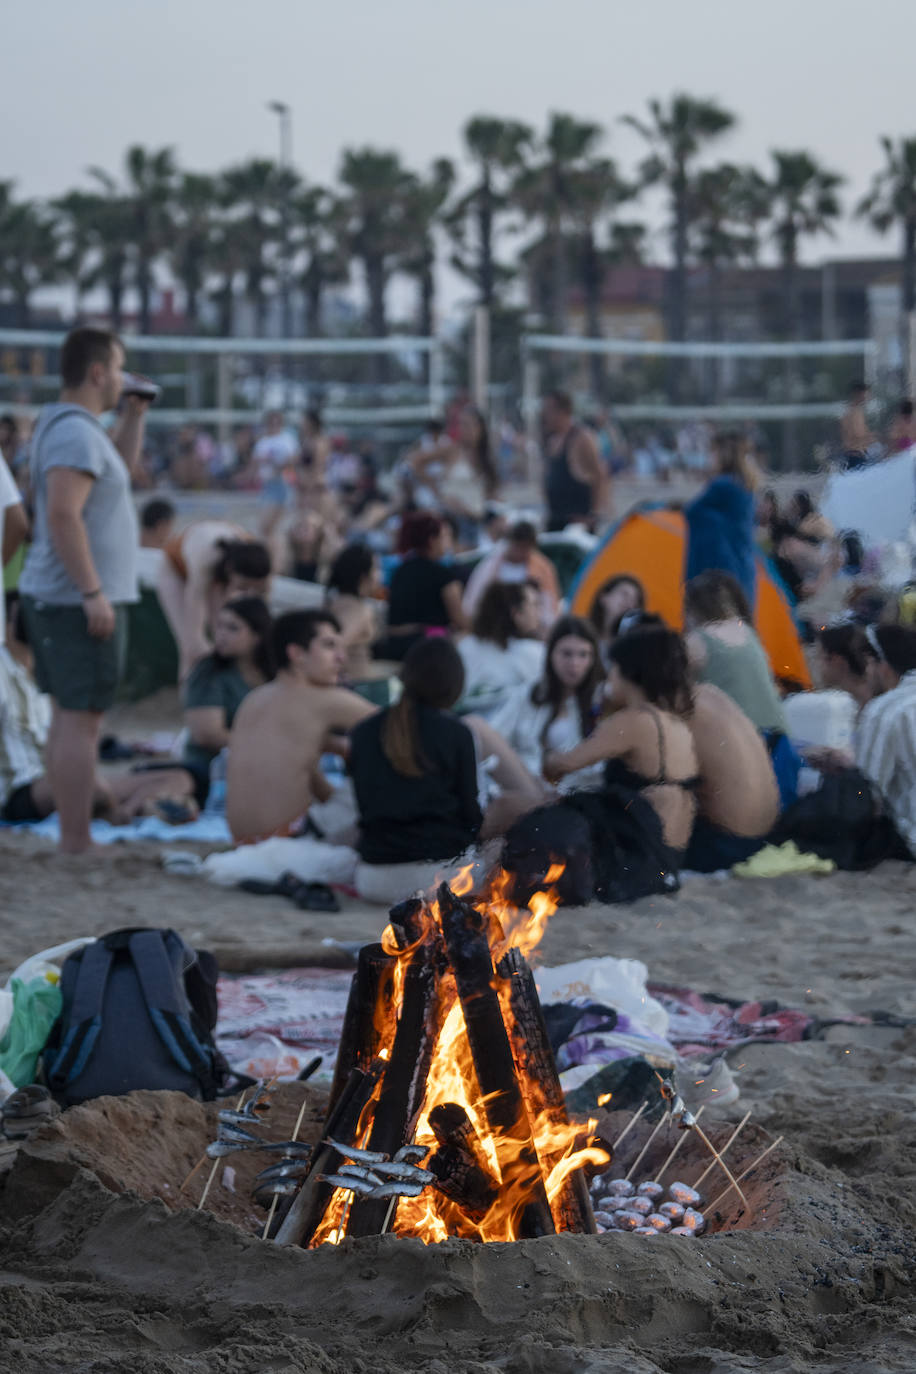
[20,807]
[79,671]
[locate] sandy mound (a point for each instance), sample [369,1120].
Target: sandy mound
[105,1257]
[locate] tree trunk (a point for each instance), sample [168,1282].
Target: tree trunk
[427,304]
[225,306]
[485,229]
[378,323]
[591,285]
[678,280]
[790,329]
[115,298]
[144,290]
[908,297]
[713,375]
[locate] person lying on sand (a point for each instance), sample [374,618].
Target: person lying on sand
[737,798]
[25,719]
[282,729]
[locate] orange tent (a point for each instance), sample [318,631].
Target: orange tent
[650,545]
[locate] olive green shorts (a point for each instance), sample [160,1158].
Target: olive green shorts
[80,672]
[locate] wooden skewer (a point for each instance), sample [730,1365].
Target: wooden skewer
[630,1124]
[728,1144]
[276,1197]
[749,1170]
[721,1162]
[389,1214]
[666,1117]
[203,1159]
[677,1145]
[203,1196]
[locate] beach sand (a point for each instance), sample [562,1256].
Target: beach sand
[96,1278]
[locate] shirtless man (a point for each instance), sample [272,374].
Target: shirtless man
[737,799]
[577,485]
[855,436]
[203,566]
[282,729]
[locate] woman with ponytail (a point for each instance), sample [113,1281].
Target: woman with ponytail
[414,766]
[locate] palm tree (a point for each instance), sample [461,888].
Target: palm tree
[548,189]
[317,233]
[727,206]
[891,200]
[498,148]
[677,134]
[95,231]
[424,203]
[803,202]
[254,195]
[192,247]
[28,251]
[595,194]
[140,217]
[372,207]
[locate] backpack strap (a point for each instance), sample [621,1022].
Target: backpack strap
[85,1016]
[156,975]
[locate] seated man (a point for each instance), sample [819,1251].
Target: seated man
[25,718]
[282,729]
[886,744]
[737,799]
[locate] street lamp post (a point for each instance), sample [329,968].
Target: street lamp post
[284,115]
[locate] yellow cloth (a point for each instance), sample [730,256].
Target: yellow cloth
[774,860]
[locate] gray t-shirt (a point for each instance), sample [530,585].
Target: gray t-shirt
[68,436]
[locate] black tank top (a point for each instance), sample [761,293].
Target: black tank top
[567,497]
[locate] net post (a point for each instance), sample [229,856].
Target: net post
[531,386]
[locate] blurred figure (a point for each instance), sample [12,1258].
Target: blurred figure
[274,454]
[902,433]
[425,592]
[720,521]
[577,485]
[856,438]
[157,520]
[516,559]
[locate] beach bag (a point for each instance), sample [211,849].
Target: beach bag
[138,1011]
[844,821]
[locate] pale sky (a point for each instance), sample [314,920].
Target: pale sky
[83,80]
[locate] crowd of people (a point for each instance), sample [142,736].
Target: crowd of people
[450,707]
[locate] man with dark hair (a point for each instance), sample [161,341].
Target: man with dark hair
[856,438]
[886,740]
[282,729]
[576,482]
[81,571]
[516,558]
[156,521]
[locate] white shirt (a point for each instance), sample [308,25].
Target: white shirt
[491,672]
[272,452]
[886,752]
[25,718]
[10,495]
[521,724]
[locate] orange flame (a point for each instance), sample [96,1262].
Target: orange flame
[558,1146]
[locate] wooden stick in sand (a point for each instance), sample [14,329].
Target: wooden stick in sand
[295,1136]
[710,1207]
[630,1124]
[203,1196]
[677,1145]
[722,1165]
[727,1146]
[665,1118]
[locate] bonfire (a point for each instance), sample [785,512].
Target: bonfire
[447,1116]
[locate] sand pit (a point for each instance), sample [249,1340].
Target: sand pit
[105,1257]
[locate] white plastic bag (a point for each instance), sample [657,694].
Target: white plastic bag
[617,983]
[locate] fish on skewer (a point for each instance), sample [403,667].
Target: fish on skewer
[354,1185]
[357,1155]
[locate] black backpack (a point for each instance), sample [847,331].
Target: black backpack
[139,1010]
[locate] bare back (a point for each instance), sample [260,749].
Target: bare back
[738,790]
[279,735]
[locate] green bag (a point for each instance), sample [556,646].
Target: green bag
[36,1006]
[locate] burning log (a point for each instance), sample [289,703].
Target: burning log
[370,1016]
[459,1163]
[537,1071]
[404,1084]
[503,1104]
[309,1204]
